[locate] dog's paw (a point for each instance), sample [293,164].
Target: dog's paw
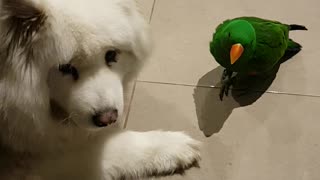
[176,153]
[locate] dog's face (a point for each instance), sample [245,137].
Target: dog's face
[111,44]
[85,48]
[91,95]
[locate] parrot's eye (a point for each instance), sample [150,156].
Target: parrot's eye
[229,34]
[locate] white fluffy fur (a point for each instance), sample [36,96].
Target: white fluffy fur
[38,146]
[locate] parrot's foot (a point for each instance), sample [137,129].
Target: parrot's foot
[226,80]
[225,88]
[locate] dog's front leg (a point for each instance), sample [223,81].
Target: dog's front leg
[135,155]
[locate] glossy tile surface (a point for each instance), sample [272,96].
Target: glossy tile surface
[276,137]
[182,30]
[250,135]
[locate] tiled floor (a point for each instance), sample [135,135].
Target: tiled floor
[258,136]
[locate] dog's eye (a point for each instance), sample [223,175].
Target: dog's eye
[68,69]
[111,57]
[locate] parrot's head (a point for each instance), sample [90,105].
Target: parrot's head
[239,39]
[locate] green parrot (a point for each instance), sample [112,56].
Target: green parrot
[250,45]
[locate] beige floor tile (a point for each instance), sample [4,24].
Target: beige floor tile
[146,7]
[182,30]
[276,138]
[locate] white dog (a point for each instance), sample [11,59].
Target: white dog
[62,68]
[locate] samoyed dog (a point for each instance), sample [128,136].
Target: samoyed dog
[63,68]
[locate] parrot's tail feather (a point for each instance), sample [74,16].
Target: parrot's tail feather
[292,49]
[297,27]
[293,45]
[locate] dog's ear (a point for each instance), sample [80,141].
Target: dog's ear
[22,19]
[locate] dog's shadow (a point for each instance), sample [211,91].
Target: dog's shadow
[212,113]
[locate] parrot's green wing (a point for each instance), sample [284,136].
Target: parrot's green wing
[259,20]
[272,41]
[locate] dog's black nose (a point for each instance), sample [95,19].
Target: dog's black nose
[105,118]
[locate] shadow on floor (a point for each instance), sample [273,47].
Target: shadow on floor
[212,113]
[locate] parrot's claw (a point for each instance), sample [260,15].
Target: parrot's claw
[224,75]
[221,94]
[226,92]
[227,81]
[225,89]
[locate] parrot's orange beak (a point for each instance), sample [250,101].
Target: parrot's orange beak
[236,52]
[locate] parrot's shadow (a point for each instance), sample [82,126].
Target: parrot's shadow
[212,113]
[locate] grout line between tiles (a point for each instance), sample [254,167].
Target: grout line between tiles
[176,84]
[215,87]
[153,5]
[129,105]
[135,82]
